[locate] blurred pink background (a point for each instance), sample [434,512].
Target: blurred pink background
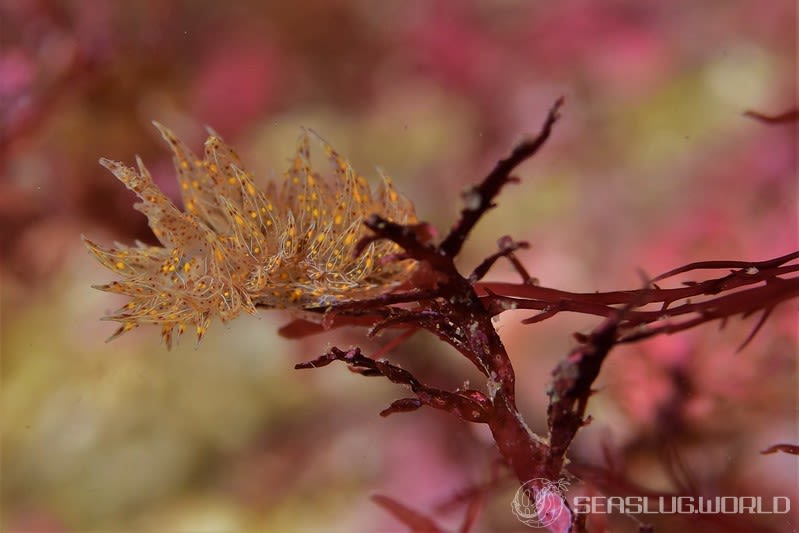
[652,166]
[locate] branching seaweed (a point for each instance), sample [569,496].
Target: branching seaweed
[458,310]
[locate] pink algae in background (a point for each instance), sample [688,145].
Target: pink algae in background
[236,83]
